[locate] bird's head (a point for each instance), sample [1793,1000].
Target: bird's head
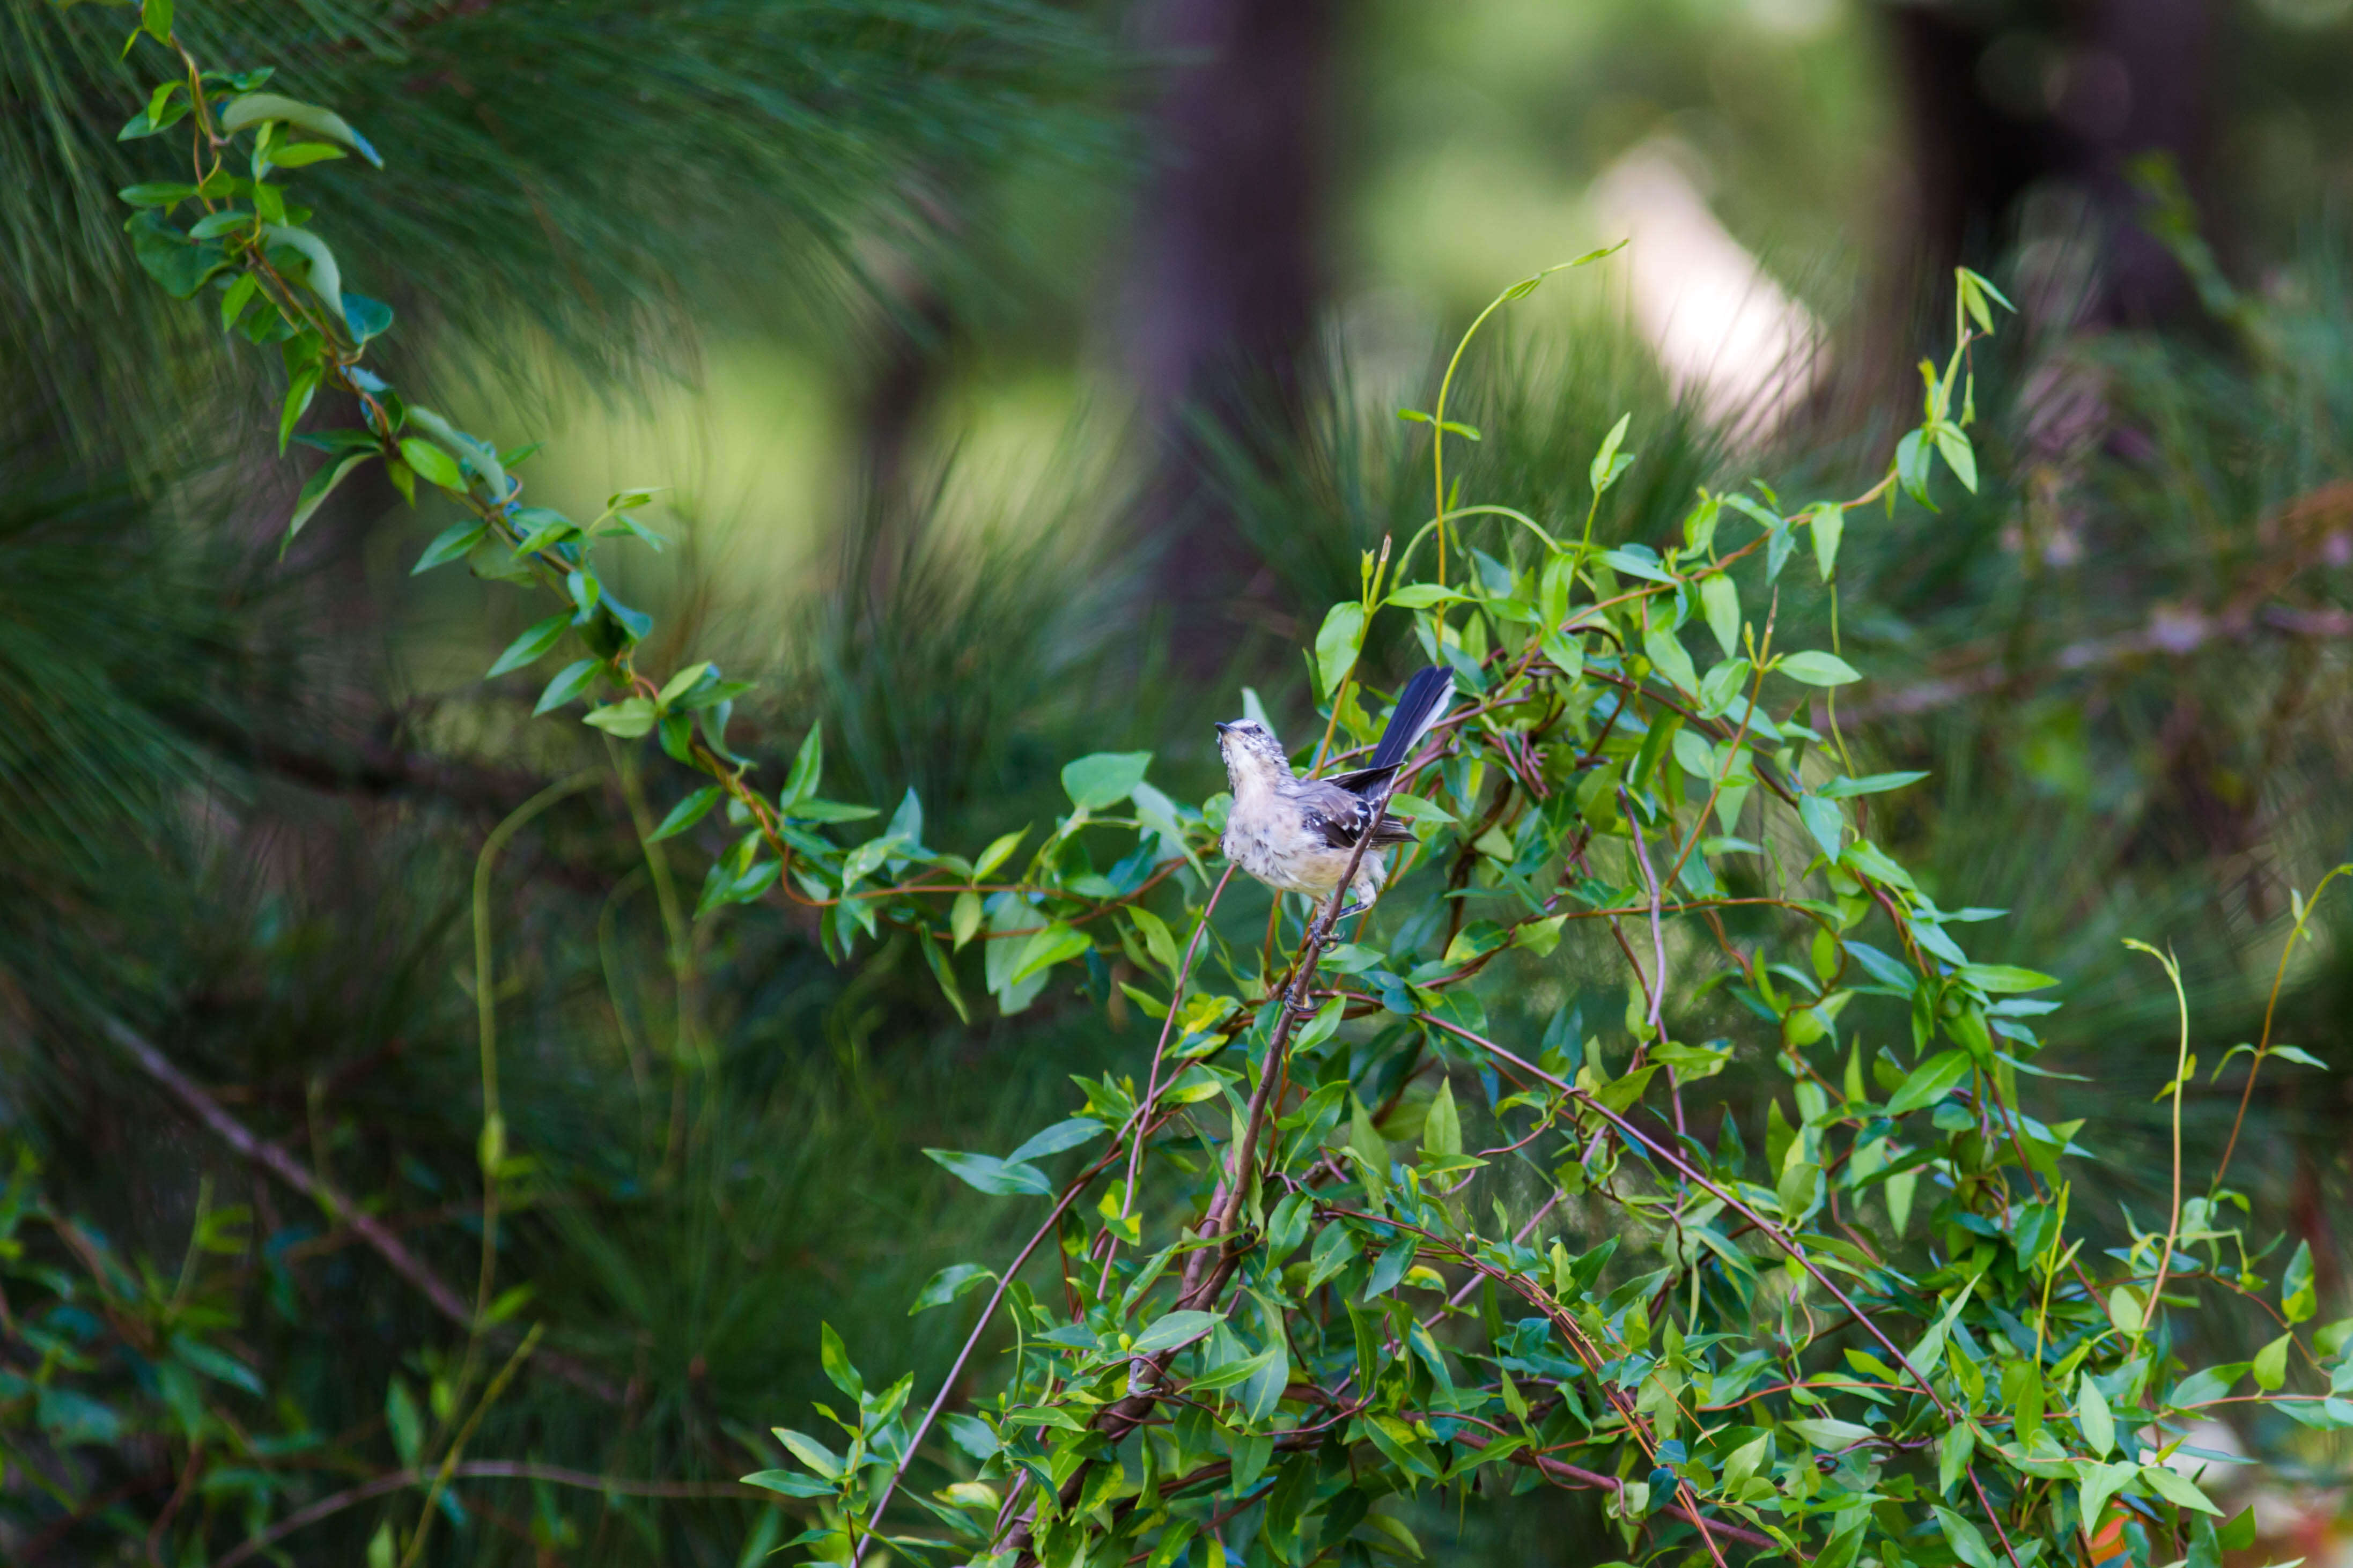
[1253,756]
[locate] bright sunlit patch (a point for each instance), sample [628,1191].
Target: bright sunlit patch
[1723,328]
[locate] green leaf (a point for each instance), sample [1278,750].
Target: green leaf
[570,682]
[214,1364]
[1062,1135]
[1103,779]
[254,108]
[302,154]
[2176,1488]
[822,810]
[678,685]
[1422,595]
[155,20]
[989,1175]
[809,765]
[451,546]
[303,387]
[950,1283]
[177,262]
[240,294]
[368,318]
[2271,1363]
[1055,944]
[160,115]
[431,463]
[403,1420]
[834,1358]
[2298,1301]
[1000,850]
[1826,1434]
[1604,468]
[1967,1544]
[1955,447]
[323,277]
[1173,1332]
[1159,942]
[1824,821]
[1195,1084]
[318,488]
[1913,458]
[2094,1418]
[1828,521]
[788,1483]
[964,918]
[1667,657]
[1442,1133]
[1634,565]
[1366,1143]
[1816,668]
[533,645]
[541,527]
[810,1452]
[1870,784]
[1799,1186]
[1402,1445]
[1343,633]
[1930,1082]
[1954,1451]
[2100,1483]
[686,814]
[1721,600]
[1999,978]
[944,974]
[632,719]
[165,196]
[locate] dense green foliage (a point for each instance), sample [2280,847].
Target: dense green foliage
[573,165]
[1875,1336]
[261,1284]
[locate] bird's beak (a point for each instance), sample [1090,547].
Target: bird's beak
[1224,728]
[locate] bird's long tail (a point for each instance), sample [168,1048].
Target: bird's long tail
[1420,705]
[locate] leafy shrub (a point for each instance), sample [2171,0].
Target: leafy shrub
[1336,1245]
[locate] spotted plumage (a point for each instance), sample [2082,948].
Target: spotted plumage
[1298,835]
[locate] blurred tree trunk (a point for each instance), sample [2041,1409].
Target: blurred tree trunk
[2006,99]
[1227,280]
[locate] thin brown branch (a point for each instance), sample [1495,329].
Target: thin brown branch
[276,1161]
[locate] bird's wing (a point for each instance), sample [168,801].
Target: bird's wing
[1338,815]
[1363,781]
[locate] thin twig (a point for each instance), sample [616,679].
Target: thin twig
[365,1225]
[465,1434]
[483,1470]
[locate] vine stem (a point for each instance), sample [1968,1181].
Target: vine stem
[2180,1074]
[1152,1079]
[481,1469]
[457,1446]
[2263,1045]
[490,1152]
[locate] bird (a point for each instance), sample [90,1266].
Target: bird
[1296,834]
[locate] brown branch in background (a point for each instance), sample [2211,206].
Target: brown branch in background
[2170,632]
[482,1470]
[282,1165]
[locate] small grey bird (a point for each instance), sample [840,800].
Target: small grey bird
[1296,834]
